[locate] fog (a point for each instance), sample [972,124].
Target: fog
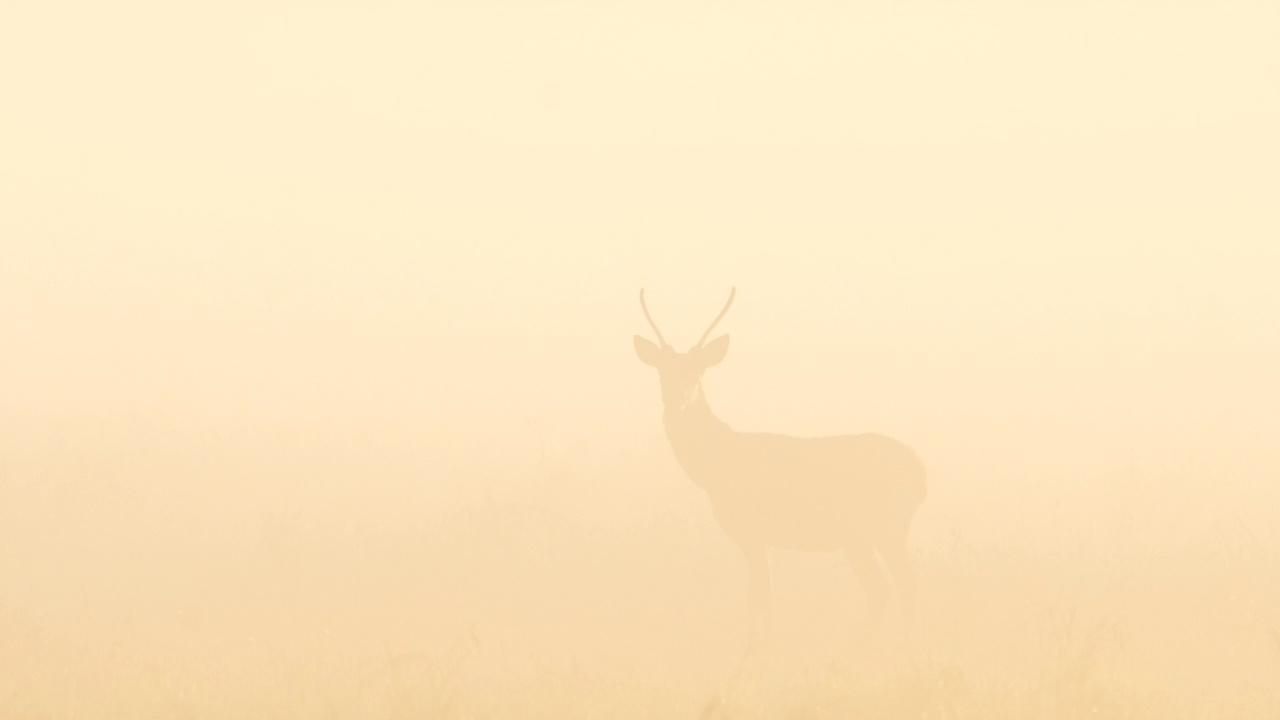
[319,396]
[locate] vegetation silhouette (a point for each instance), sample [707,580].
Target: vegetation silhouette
[851,493]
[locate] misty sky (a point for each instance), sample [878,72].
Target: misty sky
[1037,228]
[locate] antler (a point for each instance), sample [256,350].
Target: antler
[652,324]
[732,292]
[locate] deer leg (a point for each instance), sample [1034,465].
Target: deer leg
[759,599]
[901,566]
[863,561]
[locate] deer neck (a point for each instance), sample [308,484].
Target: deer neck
[697,438]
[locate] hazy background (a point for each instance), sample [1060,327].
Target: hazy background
[315,335]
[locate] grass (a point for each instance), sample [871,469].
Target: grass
[376,600]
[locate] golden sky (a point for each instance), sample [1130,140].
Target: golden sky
[990,228]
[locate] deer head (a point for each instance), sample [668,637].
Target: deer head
[681,372]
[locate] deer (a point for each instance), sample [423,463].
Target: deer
[855,494]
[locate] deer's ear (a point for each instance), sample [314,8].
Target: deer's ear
[713,352]
[647,351]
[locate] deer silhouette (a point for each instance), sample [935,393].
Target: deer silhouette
[850,493]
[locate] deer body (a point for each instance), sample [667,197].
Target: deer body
[850,493]
[799,493]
